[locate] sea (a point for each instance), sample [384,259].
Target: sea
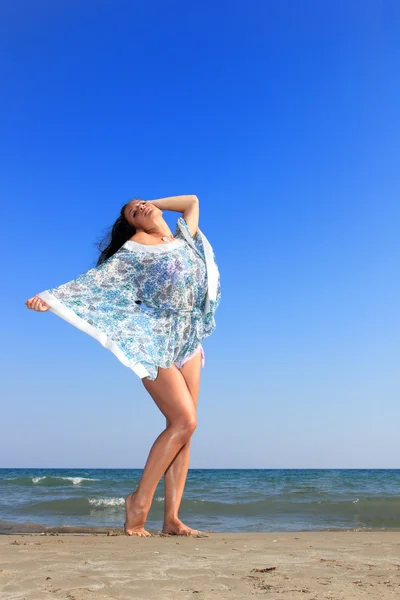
[219,500]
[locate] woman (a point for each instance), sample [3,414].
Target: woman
[151,300]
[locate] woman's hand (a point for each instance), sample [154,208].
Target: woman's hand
[37,304]
[187,205]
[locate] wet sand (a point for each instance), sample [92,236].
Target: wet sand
[330,565]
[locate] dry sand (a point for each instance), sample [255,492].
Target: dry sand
[329,565]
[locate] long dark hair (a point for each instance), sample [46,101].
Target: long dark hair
[118,234]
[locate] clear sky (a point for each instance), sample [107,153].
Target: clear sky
[283,118]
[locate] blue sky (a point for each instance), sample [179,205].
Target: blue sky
[283,118]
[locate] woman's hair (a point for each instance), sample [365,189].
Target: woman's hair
[118,234]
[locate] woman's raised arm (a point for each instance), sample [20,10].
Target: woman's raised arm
[188,205]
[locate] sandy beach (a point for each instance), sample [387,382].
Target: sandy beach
[333,565]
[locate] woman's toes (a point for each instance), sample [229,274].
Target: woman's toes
[178,528]
[138,532]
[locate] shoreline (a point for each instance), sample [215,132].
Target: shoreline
[10,528]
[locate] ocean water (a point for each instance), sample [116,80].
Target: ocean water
[219,500]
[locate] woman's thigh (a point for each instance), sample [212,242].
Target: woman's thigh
[171,394]
[191,372]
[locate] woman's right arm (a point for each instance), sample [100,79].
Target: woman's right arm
[37,304]
[187,205]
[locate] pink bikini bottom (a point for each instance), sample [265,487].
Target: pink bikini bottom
[189,356]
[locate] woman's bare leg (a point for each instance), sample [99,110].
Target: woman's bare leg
[176,473]
[170,392]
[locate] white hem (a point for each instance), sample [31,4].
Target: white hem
[212,269]
[58,308]
[157,248]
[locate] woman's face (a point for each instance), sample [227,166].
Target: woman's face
[141,214]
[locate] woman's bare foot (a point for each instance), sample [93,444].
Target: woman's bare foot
[176,527]
[135,518]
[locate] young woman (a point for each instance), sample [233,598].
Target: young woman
[151,300]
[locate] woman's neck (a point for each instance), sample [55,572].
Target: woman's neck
[155,233]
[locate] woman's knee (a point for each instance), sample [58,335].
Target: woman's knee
[184,427]
[172,396]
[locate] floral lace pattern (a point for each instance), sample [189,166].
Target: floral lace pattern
[145,303]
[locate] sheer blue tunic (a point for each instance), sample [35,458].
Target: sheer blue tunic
[149,305]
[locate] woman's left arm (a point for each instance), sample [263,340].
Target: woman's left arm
[187,205]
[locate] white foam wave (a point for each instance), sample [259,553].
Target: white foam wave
[78,480]
[107,501]
[75,480]
[115,501]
